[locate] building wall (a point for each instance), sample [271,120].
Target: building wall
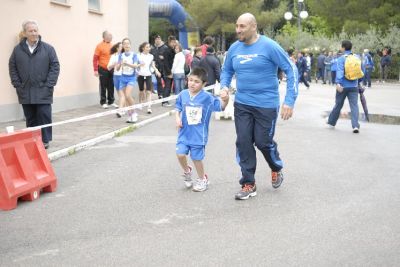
[74,32]
[138,25]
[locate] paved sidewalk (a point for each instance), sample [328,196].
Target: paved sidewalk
[70,134]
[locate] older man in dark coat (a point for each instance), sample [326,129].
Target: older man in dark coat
[34,70]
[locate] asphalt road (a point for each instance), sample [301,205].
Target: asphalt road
[123,202]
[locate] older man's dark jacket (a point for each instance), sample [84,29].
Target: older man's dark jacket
[34,75]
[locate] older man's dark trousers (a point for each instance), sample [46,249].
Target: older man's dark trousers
[255,127]
[39,114]
[106,86]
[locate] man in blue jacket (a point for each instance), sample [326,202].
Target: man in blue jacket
[255,59]
[345,88]
[34,70]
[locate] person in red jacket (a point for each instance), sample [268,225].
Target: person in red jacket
[208,41]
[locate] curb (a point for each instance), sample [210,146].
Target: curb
[71,150]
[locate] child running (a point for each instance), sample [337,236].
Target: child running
[128,62]
[194,108]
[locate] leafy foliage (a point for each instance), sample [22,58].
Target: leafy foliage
[356,16]
[368,24]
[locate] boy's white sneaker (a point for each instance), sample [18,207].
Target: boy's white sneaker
[201,184]
[187,177]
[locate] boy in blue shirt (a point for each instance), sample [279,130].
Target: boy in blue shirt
[194,107]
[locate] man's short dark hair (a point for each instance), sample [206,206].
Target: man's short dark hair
[210,49]
[201,73]
[171,38]
[347,45]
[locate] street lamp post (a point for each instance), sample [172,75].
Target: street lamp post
[301,13]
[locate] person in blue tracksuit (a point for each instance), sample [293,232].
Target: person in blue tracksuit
[302,68]
[345,88]
[254,60]
[368,67]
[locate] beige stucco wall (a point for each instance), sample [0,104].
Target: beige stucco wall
[74,32]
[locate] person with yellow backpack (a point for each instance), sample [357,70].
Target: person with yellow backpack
[347,78]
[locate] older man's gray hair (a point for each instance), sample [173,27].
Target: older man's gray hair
[27,22]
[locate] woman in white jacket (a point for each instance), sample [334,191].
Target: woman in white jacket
[144,74]
[178,69]
[115,53]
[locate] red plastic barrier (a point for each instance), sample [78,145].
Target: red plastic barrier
[25,169]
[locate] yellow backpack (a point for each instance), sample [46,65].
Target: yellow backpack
[352,68]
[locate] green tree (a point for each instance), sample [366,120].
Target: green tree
[356,16]
[218,17]
[162,27]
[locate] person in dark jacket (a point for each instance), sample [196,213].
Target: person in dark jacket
[166,73]
[34,70]
[212,65]
[321,68]
[386,60]
[158,52]
[302,68]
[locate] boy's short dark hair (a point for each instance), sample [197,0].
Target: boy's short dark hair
[347,45]
[201,73]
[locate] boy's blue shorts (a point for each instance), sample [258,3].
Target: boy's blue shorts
[196,152]
[126,80]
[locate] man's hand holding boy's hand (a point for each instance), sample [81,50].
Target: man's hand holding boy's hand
[224,94]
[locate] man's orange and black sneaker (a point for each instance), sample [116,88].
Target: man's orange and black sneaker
[277,179]
[248,190]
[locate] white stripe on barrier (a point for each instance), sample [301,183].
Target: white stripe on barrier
[106,113]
